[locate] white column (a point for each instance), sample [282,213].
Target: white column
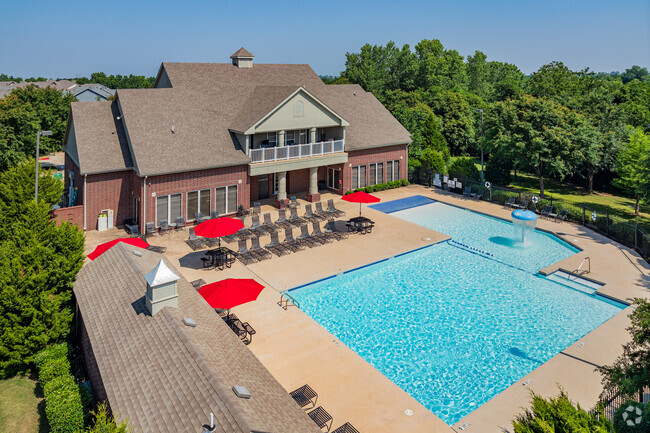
[312,135]
[313,180]
[248,144]
[281,138]
[282,185]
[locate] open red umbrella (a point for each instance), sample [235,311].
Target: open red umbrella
[231,292]
[102,248]
[361,197]
[218,227]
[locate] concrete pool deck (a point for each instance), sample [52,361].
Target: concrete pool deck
[296,350]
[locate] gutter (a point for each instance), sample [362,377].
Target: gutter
[85,202]
[144,203]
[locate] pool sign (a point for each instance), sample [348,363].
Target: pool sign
[535,199]
[593,216]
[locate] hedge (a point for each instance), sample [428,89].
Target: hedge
[53,351]
[382,186]
[63,405]
[53,369]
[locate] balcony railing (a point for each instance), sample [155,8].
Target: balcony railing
[284,153]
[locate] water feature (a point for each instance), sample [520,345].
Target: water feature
[524,222]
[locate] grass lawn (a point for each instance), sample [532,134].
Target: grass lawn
[22,408]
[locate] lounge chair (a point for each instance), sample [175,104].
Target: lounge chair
[256,228]
[330,227]
[276,247]
[282,220]
[198,218]
[134,231]
[257,208]
[478,195]
[332,210]
[268,225]
[318,234]
[180,223]
[245,256]
[309,214]
[320,212]
[293,201]
[522,205]
[310,240]
[164,227]
[346,428]
[510,202]
[562,216]
[157,249]
[295,219]
[257,249]
[321,417]
[547,211]
[291,243]
[194,242]
[467,191]
[211,242]
[305,396]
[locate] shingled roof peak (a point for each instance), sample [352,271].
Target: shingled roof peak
[242,52]
[160,275]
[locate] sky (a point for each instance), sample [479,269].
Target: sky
[75,38]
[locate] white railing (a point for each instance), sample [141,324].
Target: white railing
[296,151]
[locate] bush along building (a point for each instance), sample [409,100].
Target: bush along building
[211,137]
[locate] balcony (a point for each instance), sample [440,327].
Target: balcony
[297,151]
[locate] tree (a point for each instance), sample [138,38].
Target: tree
[478,75]
[464,168]
[437,67]
[635,73]
[559,415]
[498,168]
[633,167]
[534,133]
[433,138]
[630,373]
[554,81]
[432,162]
[411,111]
[458,120]
[118,81]
[38,262]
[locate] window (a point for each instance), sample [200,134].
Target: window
[226,199]
[333,177]
[272,137]
[198,201]
[392,171]
[168,207]
[359,177]
[376,173]
[302,136]
[290,138]
[298,109]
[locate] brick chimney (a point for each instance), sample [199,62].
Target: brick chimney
[242,58]
[162,290]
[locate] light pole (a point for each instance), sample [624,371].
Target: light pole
[38,145]
[480,110]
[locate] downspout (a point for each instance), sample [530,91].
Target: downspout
[85,202]
[144,203]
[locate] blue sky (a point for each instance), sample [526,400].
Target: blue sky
[75,38]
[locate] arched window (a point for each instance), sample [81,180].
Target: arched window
[298,109]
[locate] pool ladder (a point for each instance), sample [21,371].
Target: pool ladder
[285,298]
[588,260]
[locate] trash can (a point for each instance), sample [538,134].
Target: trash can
[321,184]
[102,222]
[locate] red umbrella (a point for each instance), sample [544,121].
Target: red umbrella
[217,227]
[231,292]
[360,197]
[102,248]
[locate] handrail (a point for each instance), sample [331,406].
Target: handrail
[582,263]
[287,297]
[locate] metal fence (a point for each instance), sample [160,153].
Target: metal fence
[612,400]
[612,226]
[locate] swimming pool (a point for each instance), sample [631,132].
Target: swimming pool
[453,327]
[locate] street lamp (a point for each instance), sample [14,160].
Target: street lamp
[39,134]
[480,110]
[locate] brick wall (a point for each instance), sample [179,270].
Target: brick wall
[73,215]
[108,191]
[91,364]
[376,155]
[71,167]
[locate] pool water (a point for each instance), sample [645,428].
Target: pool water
[453,327]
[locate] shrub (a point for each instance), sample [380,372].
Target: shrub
[105,423]
[63,406]
[54,351]
[433,162]
[464,168]
[626,417]
[497,170]
[405,182]
[499,196]
[52,369]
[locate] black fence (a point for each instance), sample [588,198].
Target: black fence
[614,227]
[610,401]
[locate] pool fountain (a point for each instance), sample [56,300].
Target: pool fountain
[525,221]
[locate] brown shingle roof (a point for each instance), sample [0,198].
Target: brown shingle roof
[242,52]
[164,376]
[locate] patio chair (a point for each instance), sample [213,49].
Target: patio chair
[214,214]
[547,211]
[194,242]
[157,249]
[467,191]
[510,202]
[243,255]
[257,208]
[134,231]
[282,220]
[305,396]
[257,249]
[330,227]
[291,243]
[276,247]
[321,417]
[332,210]
[310,240]
[346,428]
[256,228]
[478,195]
[198,283]
[309,214]
[268,225]
[150,228]
[562,216]
[318,234]
[164,227]
[320,212]
[294,218]
[198,218]
[522,205]
[211,242]
[180,223]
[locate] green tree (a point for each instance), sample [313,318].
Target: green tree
[431,163]
[118,81]
[559,415]
[434,139]
[478,75]
[411,111]
[103,422]
[438,67]
[464,168]
[630,373]
[506,80]
[633,167]
[38,262]
[458,119]
[635,73]
[554,81]
[498,168]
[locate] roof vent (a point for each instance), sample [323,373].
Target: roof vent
[162,290]
[187,321]
[242,58]
[241,391]
[137,253]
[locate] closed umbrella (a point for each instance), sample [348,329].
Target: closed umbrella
[218,227]
[231,292]
[361,197]
[102,248]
